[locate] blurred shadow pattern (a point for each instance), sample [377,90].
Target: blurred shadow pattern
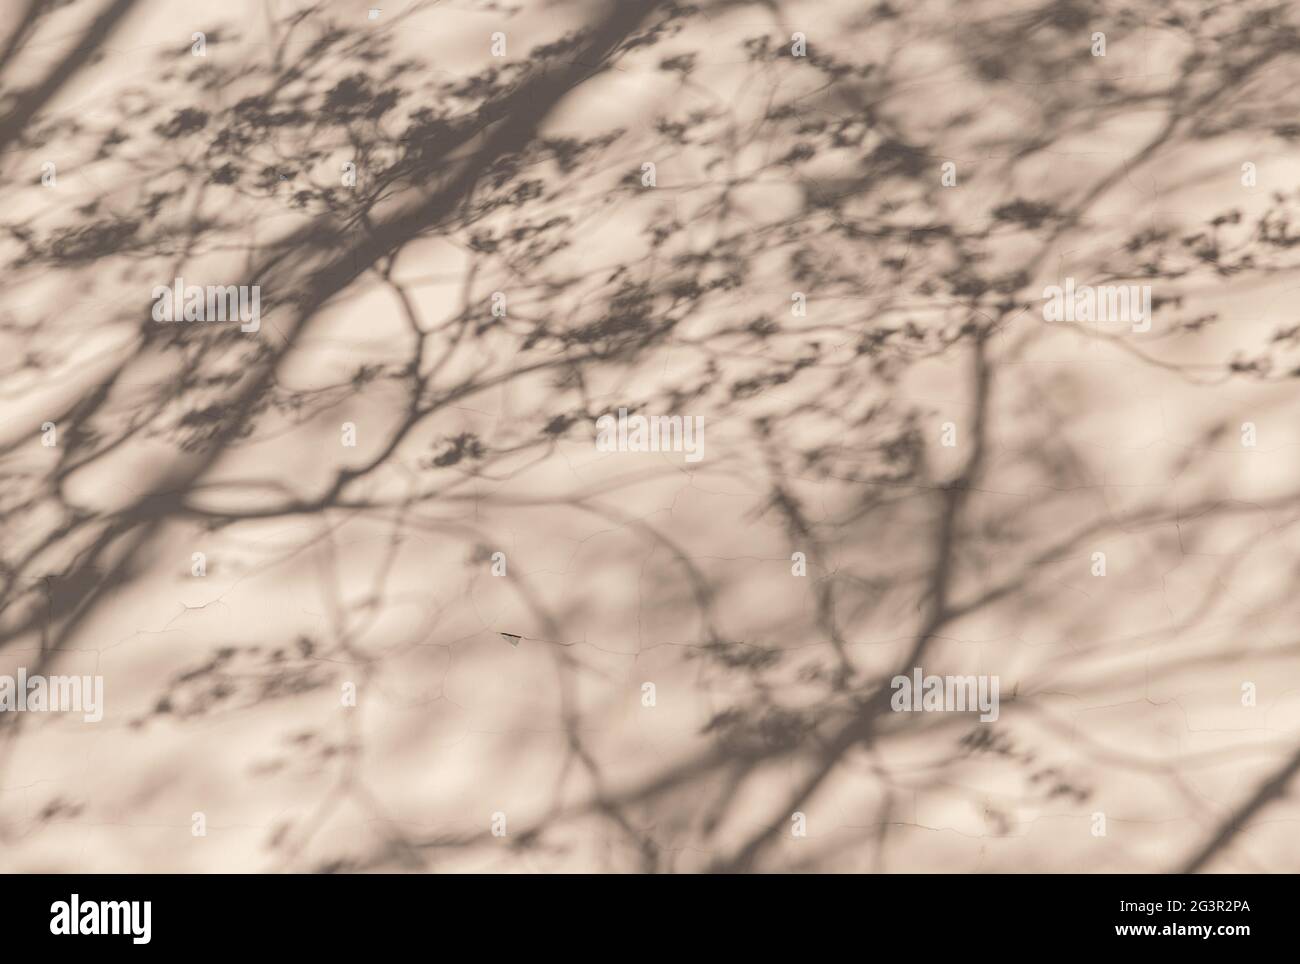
[365,594]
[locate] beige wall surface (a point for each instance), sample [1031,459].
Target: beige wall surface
[366,580]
